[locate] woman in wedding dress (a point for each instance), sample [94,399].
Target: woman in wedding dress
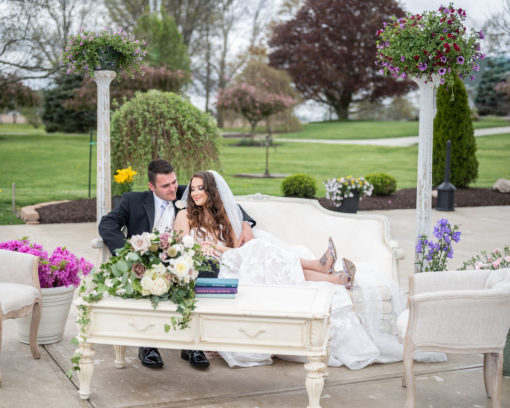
[214,219]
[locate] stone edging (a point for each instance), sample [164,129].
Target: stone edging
[29,215]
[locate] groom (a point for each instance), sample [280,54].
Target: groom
[140,212]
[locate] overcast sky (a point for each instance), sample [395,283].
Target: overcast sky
[477,10]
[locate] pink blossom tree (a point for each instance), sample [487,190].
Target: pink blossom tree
[253,103]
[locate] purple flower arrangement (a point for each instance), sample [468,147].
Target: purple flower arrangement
[434,43]
[433,256]
[61,268]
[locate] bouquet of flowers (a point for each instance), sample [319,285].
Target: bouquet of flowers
[432,256]
[159,266]
[124,179]
[88,51]
[339,188]
[427,44]
[61,268]
[496,259]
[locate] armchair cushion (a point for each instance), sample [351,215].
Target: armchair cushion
[15,296]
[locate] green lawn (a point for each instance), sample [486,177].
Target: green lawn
[47,167]
[368,129]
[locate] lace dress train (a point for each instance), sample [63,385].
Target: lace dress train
[267,260]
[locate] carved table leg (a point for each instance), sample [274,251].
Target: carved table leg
[86,369]
[120,356]
[314,380]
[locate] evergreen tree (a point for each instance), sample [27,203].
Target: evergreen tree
[164,42]
[57,117]
[453,122]
[489,101]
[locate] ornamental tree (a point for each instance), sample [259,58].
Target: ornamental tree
[253,103]
[328,50]
[14,94]
[453,122]
[159,124]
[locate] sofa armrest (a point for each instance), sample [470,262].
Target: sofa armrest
[460,318]
[447,280]
[398,252]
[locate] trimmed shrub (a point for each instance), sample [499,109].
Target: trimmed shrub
[383,183]
[164,125]
[299,185]
[453,122]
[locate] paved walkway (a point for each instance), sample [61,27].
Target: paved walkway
[42,383]
[394,141]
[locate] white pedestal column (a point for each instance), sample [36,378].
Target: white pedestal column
[104,185]
[426,135]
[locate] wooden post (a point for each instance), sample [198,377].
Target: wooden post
[104,185]
[425,143]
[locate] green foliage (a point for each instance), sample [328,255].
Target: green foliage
[164,42]
[57,117]
[453,122]
[163,125]
[490,101]
[299,185]
[383,183]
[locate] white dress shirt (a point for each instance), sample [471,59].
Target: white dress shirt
[163,219]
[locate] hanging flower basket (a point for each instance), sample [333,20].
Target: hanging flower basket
[428,44]
[106,50]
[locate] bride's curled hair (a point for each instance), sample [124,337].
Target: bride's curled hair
[218,225]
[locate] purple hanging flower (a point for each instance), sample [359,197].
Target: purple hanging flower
[460,60]
[441,71]
[422,66]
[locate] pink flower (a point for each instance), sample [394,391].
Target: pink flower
[480,265]
[140,243]
[164,240]
[507,258]
[497,262]
[138,269]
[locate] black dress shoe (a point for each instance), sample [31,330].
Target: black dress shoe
[150,357]
[196,358]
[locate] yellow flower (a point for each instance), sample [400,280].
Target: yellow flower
[124,175]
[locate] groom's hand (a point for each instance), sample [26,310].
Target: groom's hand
[246,234]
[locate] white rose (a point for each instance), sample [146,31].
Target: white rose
[181,268]
[140,243]
[180,204]
[188,241]
[159,287]
[179,247]
[146,283]
[159,269]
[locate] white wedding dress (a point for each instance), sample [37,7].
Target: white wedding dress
[267,260]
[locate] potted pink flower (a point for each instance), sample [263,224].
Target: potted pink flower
[59,275]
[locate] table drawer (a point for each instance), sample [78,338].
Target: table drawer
[254,331]
[135,325]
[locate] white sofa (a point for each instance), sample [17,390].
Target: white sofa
[360,238]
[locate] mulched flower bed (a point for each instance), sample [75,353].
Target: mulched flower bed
[85,210]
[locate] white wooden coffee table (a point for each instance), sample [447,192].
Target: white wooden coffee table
[291,320]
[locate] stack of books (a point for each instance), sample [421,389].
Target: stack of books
[216,288]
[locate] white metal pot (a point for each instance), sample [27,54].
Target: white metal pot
[56,303]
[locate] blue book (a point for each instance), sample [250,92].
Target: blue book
[213,282]
[215,295]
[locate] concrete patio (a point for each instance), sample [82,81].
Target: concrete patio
[42,383]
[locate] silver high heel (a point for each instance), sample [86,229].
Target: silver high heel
[349,270]
[332,252]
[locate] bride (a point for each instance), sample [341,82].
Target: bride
[213,218]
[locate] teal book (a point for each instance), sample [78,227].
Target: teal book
[213,282]
[215,295]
